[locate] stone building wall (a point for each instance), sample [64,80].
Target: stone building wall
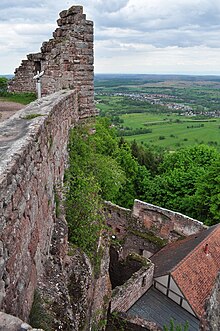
[165,223]
[147,228]
[124,296]
[33,157]
[66,59]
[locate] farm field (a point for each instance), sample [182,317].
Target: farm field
[171,131]
[165,111]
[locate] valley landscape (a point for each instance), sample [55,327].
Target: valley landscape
[162,110]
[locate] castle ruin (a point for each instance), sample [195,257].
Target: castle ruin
[66,59]
[34,250]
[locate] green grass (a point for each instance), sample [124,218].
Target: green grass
[172,135]
[23,98]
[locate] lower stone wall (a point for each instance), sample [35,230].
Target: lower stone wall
[117,218]
[165,223]
[33,156]
[123,297]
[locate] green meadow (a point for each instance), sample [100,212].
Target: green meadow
[120,97]
[172,131]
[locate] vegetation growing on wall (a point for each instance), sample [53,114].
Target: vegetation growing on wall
[39,316]
[93,175]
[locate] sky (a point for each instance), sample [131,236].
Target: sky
[131,36]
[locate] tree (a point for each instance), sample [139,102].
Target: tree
[92,175]
[207,197]
[148,156]
[183,177]
[188,157]
[3,84]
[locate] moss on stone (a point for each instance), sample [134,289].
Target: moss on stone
[31,116]
[138,258]
[39,316]
[149,236]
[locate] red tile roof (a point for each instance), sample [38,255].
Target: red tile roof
[193,270]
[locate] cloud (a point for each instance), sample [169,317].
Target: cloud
[124,29]
[109,7]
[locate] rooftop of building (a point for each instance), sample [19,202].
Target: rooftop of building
[194,263]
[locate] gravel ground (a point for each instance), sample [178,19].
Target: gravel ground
[7,109]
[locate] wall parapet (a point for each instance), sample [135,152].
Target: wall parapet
[124,296]
[33,157]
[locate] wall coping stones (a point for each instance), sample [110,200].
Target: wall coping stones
[149,206]
[18,131]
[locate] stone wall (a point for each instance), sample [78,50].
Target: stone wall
[66,59]
[165,223]
[117,219]
[211,322]
[123,297]
[33,157]
[147,228]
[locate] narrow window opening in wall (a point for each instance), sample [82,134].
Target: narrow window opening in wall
[37,66]
[118,214]
[110,211]
[141,251]
[143,281]
[117,230]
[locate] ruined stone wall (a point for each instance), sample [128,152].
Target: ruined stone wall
[147,228]
[33,157]
[123,297]
[66,59]
[163,222]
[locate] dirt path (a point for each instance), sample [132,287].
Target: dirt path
[7,109]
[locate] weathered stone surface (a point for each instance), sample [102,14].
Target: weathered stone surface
[163,222]
[33,156]
[123,297]
[130,323]
[67,61]
[12,323]
[211,322]
[75,297]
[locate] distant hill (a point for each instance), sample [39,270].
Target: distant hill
[153,78]
[7,76]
